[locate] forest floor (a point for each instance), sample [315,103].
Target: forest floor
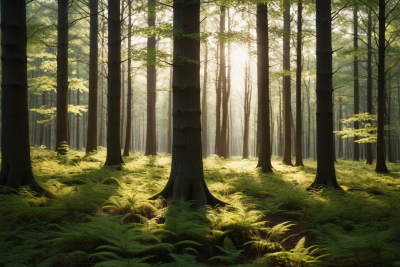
[100,216]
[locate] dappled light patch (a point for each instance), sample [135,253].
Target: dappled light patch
[107,220]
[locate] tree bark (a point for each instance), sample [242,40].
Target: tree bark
[223,81]
[151,148]
[356,153]
[369,82]
[114,85]
[204,105]
[93,79]
[287,106]
[169,143]
[299,123]
[62,73]
[187,178]
[16,168]
[380,142]
[326,174]
[77,122]
[218,110]
[263,81]
[129,93]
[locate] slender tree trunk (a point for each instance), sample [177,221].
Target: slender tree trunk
[340,128]
[380,143]
[129,96]
[356,154]
[62,73]
[114,85]
[218,110]
[326,174]
[122,102]
[151,148]
[204,105]
[287,106]
[169,144]
[77,122]
[299,123]
[187,177]
[93,79]
[389,115]
[369,82]
[223,80]
[263,81]
[16,168]
[43,125]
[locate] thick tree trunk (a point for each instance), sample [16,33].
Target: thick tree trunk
[299,123]
[62,73]
[187,177]
[16,168]
[114,85]
[356,153]
[129,95]
[223,80]
[287,106]
[93,79]
[151,148]
[263,81]
[204,105]
[326,174]
[380,142]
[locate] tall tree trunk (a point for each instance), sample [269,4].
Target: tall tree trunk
[77,122]
[380,142]
[218,109]
[299,123]
[43,125]
[287,106]
[93,79]
[263,81]
[389,115]
[128,139]
[16,168]
[169,143]
[356,153]
[223,80]
[62,73]
[369,82]
[247,109]
[151,148]
[114,85]
[204,105]
[326,174]
[187,176]
[340,152]
[101,135]
[122,102]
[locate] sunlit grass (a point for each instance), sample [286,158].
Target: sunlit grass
[101,216]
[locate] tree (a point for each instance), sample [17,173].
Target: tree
[287,107]
[93,78]
[247,107]
[326,174]
[114,85]
[187,177]
[204,105]
[356,154]
[62,73]
[16,168]
[380,142]
[151,148]
[263,83]
[299,123]
[129,97]
[223,81]
[369,82]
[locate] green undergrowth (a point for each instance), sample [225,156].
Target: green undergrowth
[101,216]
